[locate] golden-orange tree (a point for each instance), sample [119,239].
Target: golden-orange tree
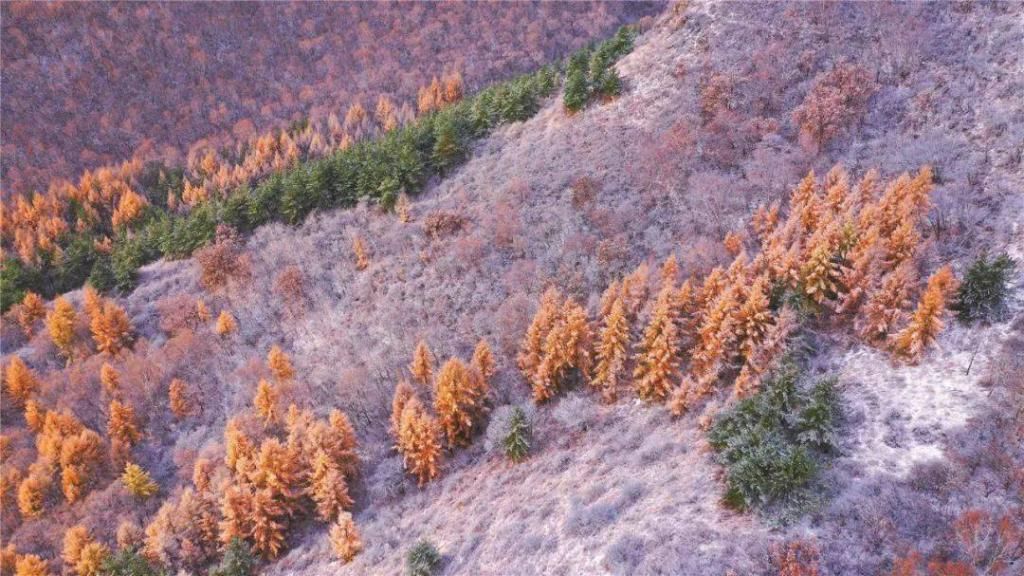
[483,360]
[558,344]
[226,324]
[80,457]
[21,382]
[123,429]
[926,323]
[612,351]
[184,531]
[422,366]
[110,379]
[60,323]
[419,441]
[657,354]
[532,349]
[138,482]
[31,310]
[460,394]
[265,402]
[280,364]
[344,538]
[178,399]
[111,330]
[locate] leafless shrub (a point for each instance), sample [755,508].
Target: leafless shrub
[584,190]
[177,313]
[838,98]
[221,261]
[290,286]
[440,224]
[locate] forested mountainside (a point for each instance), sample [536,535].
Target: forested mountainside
[734,291]
[89,84]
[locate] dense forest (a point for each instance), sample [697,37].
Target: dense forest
[88,85]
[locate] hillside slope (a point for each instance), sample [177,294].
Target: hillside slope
[578,200]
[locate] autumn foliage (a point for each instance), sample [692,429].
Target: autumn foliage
[344,538]
[557,347]
[841,249]
[21,381]
[460,393]
[60,323]
[419,440]
[111,329]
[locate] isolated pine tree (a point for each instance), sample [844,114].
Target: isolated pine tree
[516,442]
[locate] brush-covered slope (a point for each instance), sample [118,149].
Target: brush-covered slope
[707,129]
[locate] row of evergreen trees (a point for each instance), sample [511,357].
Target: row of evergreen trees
[591,74]
[400,161]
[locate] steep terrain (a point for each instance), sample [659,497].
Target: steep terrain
[669,167]
[89,85]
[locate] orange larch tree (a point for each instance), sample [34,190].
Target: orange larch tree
[483,360]
[612,351]
[657,353]
[32,309]
[460,394]
[422,366]
[328,487]
[226,324]
[567,352]
[21,381]
[123,430]
[926,323]
[111,330]
[178,399]
[80,457]
[60,323]
[532,349]
[419,441]
[280,365]
[110,379]
[265,402]
[886,305]
[344,538]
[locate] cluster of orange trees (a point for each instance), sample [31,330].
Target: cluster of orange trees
[848,254]
[460,400]
[279,466]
